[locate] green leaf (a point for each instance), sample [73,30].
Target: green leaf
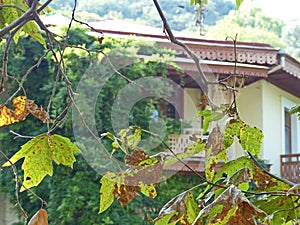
[39,154]
[107,195]
[209,116]
[166,219]
[32,29]
[128,139]
[192,209]
[238,3]
[232,167]
[280,208]
[250,138]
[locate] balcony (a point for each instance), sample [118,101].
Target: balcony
[178,143]
[290,167]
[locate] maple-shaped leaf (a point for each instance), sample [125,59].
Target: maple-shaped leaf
[39,154]
[40,218]
[8,116]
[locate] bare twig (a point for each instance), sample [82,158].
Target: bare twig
[173,39]
[17,184]
[20,135]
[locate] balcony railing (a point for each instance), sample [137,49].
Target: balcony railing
[290,167]
[178,143]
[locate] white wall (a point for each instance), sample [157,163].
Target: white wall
[261,104]
[192,99]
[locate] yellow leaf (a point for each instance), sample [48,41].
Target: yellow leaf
[39,154]
[8,116]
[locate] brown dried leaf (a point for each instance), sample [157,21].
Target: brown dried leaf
[38,112]
[231,207]
[40,218]
[215,141]
[137,156]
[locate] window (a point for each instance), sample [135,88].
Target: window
[287,132]
[290,128]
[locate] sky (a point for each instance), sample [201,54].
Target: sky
[286,10]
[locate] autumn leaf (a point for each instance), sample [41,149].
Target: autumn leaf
[181,208]
[250,138]
[22,107]
[114,184]
[142,176]
[231,207]
[40,218]
[8,116]
[39,154]
[36,111]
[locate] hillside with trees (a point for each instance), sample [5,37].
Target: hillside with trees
[180,14]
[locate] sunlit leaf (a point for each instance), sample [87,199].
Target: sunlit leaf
[32,29]
[238,3]
[250,138]
[107,191]
[208,117]
[8,116]
[39,154]
[130,138]
[232,167]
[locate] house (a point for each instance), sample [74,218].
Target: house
[271,86]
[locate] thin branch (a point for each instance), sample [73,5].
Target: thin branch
[16,186]
[25,17]
[174,40]
[267,172]
[20,135]
[12,6]
[17,24]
